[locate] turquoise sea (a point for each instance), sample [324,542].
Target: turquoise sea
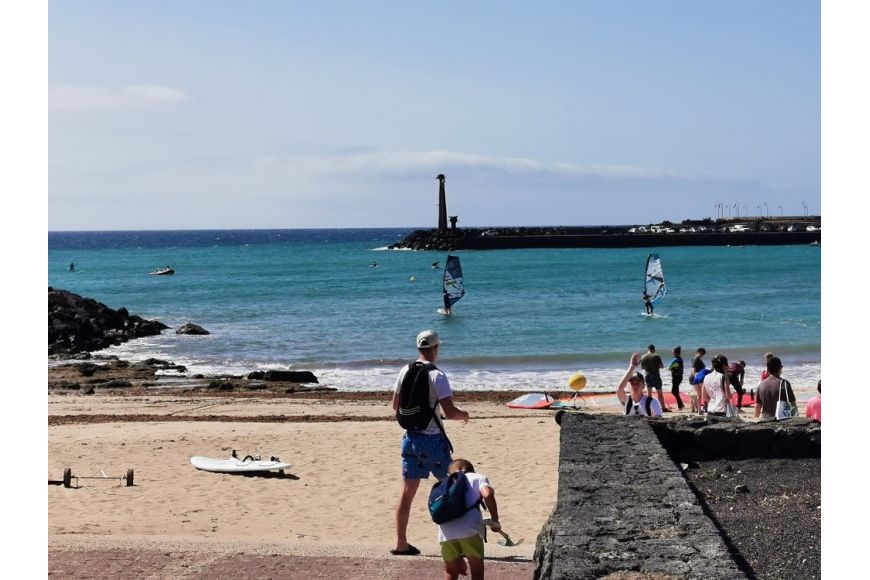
[308,300]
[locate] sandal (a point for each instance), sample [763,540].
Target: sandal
[409,551]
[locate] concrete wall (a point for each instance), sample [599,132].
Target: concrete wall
[624,507]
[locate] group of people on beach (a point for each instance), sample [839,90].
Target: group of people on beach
[713,386]
[426,449]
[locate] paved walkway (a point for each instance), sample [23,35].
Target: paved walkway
[126,563]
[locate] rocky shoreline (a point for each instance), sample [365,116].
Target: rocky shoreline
[78,325]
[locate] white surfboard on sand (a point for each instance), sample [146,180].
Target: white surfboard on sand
[236,465]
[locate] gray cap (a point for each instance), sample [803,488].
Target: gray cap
[428,339]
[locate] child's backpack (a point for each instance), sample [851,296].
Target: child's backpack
[414,412]
[447,498]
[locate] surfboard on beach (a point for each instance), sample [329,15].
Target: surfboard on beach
[531,401]
[236,465]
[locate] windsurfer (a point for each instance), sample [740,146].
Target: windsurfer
[72,267]
[446,298]
[648,303]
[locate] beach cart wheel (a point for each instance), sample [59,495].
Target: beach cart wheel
[67,477]
[559,415]
[129,477]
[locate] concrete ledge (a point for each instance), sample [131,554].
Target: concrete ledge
[624,506]
[692,438]
[625,510]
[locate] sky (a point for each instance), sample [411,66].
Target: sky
[198,115]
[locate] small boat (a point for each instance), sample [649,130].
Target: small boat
[163,272]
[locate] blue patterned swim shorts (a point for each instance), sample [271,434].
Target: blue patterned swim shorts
[422,454]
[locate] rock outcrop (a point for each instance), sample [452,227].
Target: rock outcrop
[283,376]
[77,324]
[190,328]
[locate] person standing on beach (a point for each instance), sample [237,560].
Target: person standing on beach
[814,405]
[676,368]
[767,357]
[697,366]
[652,364]
[427,450]
[636,403]
[736,375]
[768,391]
[716,387]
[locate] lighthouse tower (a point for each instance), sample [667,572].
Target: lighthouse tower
[442,204]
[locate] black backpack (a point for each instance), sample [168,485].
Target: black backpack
[414,412]
[630,403]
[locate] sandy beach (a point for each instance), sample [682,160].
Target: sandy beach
[336,500]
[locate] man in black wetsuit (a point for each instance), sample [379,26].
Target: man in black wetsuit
[446,297]
[647,303]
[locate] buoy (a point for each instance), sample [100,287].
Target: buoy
[577,381]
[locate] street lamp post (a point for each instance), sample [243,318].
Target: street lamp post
[780,211]
[766,209]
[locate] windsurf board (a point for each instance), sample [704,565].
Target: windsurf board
[236,465]
[531,401]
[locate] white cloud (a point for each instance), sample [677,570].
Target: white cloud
[78,97]
[399,163]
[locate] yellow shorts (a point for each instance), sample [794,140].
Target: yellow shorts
[455,549]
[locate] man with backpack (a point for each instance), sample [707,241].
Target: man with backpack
[422,396]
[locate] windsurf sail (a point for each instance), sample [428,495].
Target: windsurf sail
[453,287]
[654,279]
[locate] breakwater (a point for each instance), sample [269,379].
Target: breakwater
[688,233]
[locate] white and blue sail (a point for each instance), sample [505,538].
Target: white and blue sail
[453,287]
[654,279]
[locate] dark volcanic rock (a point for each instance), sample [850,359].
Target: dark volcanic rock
[77,324]
[283,376]
[190,328]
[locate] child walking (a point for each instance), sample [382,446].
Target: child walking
[463,537]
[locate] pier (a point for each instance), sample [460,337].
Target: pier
[777,231]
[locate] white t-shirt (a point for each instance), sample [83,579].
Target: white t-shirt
[715,391]
[639,408]
[472,522]
[439,388]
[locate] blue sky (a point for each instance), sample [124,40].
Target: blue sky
[195,114]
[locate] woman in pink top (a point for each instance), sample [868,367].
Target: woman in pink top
[814,406]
